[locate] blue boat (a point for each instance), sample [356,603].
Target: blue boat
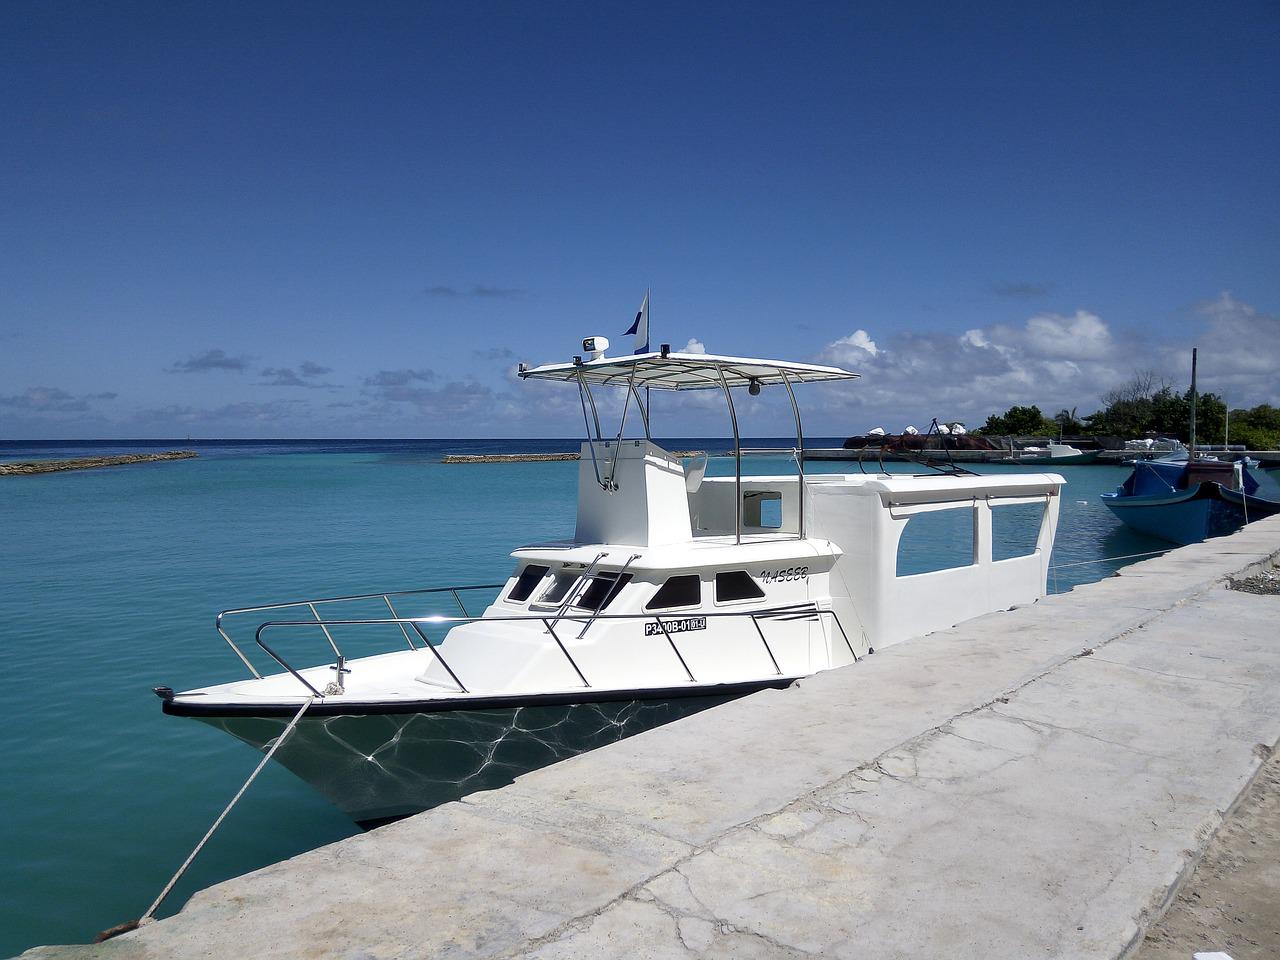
[1189,500]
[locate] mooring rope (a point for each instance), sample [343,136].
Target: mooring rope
[1080,563]
[1130,556]
[149,916]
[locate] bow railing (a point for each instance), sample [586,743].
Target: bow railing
[313,606]
[418,625]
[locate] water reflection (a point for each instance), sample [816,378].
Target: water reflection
[379,768]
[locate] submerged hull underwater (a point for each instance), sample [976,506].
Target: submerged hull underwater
[380,767]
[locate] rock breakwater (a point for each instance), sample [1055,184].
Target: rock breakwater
[29,467]
[528,457]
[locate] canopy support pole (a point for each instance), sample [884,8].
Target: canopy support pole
[795,409]
[583,395]
[622,428]
[644,408]
[595,415]
[737,458]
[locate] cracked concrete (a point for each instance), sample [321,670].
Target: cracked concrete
[1033,783]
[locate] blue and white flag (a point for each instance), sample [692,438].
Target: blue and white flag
[640,329]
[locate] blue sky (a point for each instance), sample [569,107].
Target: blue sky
[973,204]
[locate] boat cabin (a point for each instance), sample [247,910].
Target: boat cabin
[808,561]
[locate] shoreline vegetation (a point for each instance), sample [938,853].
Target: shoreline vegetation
[24,468]
[1147,405]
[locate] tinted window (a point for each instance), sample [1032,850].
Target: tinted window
[681,591]
[529,578]
[736,585]
[559,587]
[604,587]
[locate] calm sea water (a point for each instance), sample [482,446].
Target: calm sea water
[109,582]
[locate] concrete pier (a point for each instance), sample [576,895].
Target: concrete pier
[1034,783]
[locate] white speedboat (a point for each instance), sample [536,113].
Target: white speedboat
[1057,455]
[676,592]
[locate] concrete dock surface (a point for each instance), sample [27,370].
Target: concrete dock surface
[1034,783]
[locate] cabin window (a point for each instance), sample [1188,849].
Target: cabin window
[936,540]
[736,585]
[1015,529]
[604,587]
[529,578]
[682,591]
[559,587]
[762,508]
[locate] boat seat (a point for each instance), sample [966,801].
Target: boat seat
[694,473]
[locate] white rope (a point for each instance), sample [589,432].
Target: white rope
[149,916]
[1130,556]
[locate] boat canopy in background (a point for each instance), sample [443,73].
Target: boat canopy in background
[686,371]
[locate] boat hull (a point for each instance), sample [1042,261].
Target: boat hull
[1190,517]
[378,767]
[1073,460]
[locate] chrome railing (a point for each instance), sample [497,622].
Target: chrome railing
[312,604]
[417,623]
[616,585]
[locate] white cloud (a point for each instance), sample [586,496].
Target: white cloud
[853,349]
[1053,360]
[1239,352]
[693,346]
[1052,336]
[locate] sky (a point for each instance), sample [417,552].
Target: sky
[354,220]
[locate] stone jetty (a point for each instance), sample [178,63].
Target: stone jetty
[530,457]
[505,457]
[28,467]
[1037,782]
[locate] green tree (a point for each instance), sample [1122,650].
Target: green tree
[1254,438]
[1258,428]
[1128,408]
[1263,417]
[1211,417]
[1019,421]
[1148,404]
[1067,422]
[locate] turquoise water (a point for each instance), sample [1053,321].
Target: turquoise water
[109,583]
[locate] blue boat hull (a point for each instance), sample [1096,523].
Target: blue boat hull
[1190,516]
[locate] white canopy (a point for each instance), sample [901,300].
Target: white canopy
[686,371]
